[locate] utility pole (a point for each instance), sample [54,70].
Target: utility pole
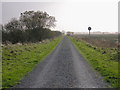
[89,28]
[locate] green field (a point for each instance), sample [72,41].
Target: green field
[18,60]
[102,60]
[100,40]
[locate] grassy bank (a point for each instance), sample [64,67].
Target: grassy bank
[18,60]
[103,60]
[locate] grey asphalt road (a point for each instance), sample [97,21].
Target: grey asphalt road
[63,68]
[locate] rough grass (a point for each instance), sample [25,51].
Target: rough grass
[0,59]
[105,61]
[18,60]
[100,40]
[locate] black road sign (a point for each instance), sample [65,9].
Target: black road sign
[89,28]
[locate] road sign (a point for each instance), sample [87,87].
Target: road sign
[89,28]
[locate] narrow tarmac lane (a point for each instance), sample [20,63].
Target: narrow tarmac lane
[63,68]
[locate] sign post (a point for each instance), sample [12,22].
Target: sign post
[89,28]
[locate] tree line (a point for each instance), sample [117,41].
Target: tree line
[30,27]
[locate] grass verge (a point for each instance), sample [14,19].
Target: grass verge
[105,62]
[18,60]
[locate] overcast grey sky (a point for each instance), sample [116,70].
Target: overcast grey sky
[71,15]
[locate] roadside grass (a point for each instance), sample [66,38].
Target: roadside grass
[18,60]
[103,60]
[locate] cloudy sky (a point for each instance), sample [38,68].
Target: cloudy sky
[71,15]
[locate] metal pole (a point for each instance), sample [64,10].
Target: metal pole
[89,37]
[89,28]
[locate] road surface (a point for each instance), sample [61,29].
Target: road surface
[63,68]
